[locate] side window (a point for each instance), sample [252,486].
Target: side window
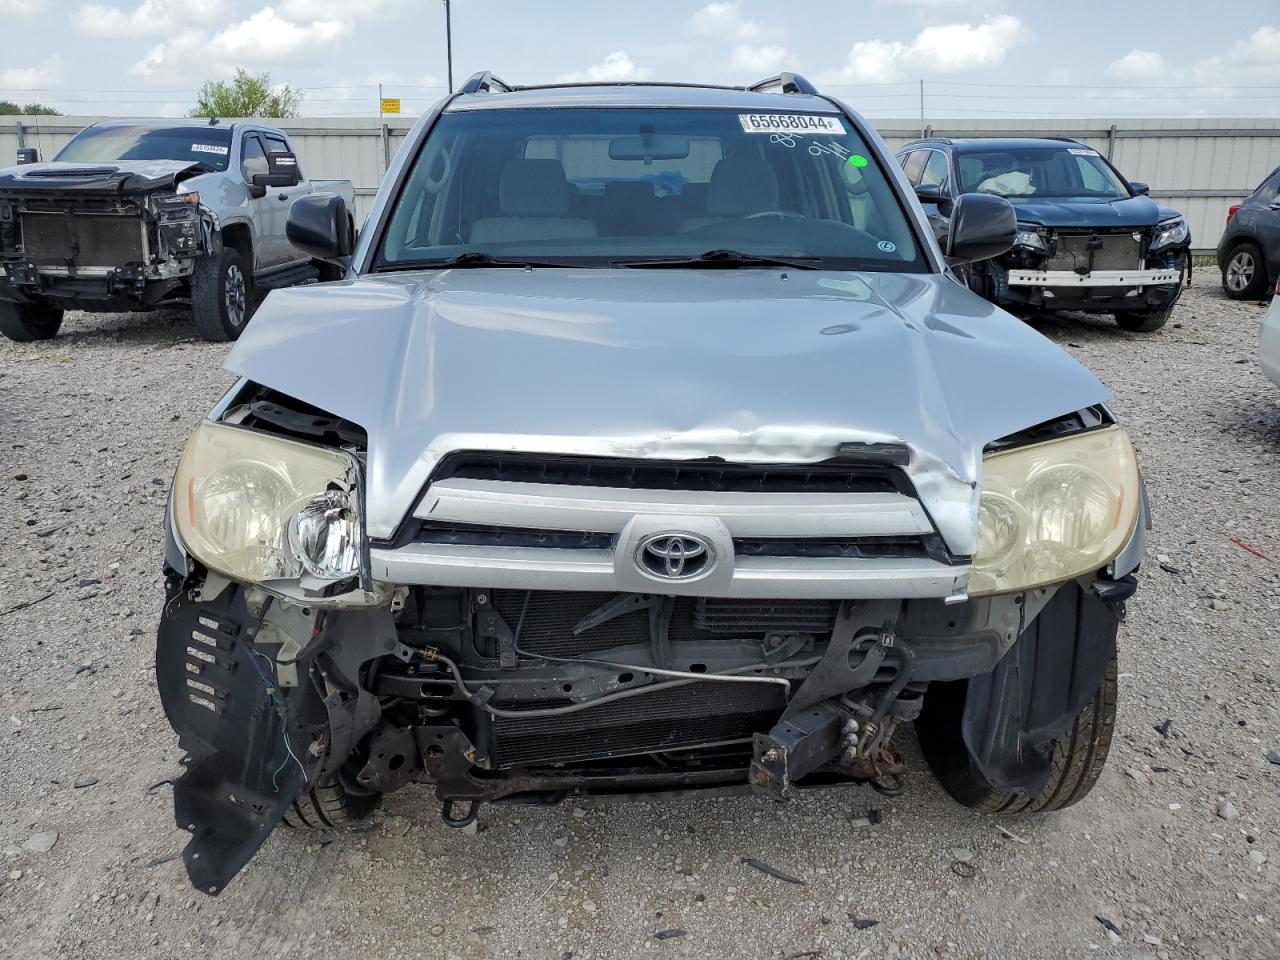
[277,145]
[913,165]
[936,170]
[253,160]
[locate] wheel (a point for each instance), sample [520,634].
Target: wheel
[1078,755]
[328,806]
[1245,275]
[1144,321]
[26,322]
[221,301]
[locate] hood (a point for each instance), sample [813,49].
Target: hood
[1083,213]
[116,176]
[748,365]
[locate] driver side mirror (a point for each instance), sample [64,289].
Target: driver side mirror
[1139,188]
[28,155]
[320,226]
[982,227]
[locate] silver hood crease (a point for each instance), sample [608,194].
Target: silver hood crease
[742,364]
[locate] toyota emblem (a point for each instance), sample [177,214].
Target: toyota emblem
[675,556]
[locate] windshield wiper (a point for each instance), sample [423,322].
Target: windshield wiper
[724,259]
[472,258]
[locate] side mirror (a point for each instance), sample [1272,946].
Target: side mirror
[282,171]
[982,227]
[28,155]
[930,193]
[319,225]
[1140,189]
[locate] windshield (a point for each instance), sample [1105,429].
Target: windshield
[629,186]
[1066,172]
[208,145]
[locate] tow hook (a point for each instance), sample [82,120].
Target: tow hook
[468,818]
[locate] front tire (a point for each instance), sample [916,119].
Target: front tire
[221,295]
[1144,321]
[1078,755]
[1245,275]
[328,806]
[28,322]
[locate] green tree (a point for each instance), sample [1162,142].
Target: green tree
[246,96]
[9,108]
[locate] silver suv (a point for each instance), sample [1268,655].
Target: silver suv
[649,445]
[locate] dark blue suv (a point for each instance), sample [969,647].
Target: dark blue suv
[1249,252]
[1088,239]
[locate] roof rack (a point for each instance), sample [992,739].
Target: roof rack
[484,82]
[788,82]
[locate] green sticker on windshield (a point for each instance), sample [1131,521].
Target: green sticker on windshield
[858,160]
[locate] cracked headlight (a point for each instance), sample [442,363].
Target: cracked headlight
[258,508]
[1170,234]
[1029,236]
[1054,511]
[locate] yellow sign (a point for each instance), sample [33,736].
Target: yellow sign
[390,105]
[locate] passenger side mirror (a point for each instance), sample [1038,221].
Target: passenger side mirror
[282,171]
[28,155]
[1140,189]
[930,193]
[982,227]
[320,226]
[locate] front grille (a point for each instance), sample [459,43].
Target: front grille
[546,623]
[689,716]
[1114,251]
[704,475]
[53,239]
[483,535]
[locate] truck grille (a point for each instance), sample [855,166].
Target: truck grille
[1113,251]
[53,239]
[695,715]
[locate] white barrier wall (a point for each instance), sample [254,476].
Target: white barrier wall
[1197,166]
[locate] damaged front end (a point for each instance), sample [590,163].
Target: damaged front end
[114,239]
[500,662]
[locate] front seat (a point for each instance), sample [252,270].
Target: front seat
[740,186]
[533,196]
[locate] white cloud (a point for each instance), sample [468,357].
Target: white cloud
[354,11]
[149,18]
[725,20]
[20,9]
[944,49]
[46,75]
[1138,65]
[616,66]
[759,58]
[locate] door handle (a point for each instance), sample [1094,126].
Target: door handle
[284,196]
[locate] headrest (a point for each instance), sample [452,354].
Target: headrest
[533,188]
[741,185]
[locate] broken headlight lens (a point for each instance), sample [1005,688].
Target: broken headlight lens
[1029,236]
[1054,511]
[1170,234]
[258,508]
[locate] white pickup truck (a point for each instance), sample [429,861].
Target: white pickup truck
[132,215]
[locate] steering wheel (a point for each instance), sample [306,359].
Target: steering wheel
[786,214]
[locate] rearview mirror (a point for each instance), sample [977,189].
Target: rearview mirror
[1139,188]
[282,171]
[649,147]
[982,227]
[28,155]
[320,226]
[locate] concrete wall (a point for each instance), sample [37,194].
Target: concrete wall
[1198,166]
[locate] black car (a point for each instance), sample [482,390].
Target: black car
[1249,252]
[1088,239]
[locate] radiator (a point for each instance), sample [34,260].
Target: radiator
[85,240]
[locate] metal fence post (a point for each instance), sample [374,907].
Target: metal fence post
[1111,141]
[386,147]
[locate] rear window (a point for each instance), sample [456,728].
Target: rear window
[207,145]
[587,186]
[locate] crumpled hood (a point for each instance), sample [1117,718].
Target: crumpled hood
[1130,212]
[741,364]
[115,176]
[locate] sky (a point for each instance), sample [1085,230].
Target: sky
[977,58]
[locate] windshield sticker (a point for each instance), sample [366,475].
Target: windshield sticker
[208,148]
[1077,152]
[790,123]
[887,246]
[858,160]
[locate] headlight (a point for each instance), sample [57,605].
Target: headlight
[1028,236]
[257,508]
[1170,234]
[1054,511]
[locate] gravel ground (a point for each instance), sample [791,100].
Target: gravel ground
[91,425]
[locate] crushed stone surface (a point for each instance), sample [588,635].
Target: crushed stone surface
[95,420]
